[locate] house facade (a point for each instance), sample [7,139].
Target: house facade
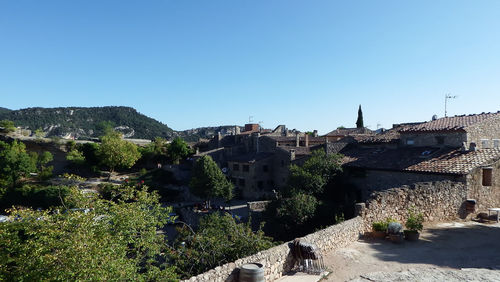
[462,149]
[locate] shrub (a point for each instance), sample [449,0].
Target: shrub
[394,228]
[379,226]
[415,220]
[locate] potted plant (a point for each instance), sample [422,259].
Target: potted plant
[414,224]
[394,229]
[379,229]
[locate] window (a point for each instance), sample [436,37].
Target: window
[246,168]
[236,167]
[487,176]
[241,182]
[410,141]
[485,144]
[265,168]
[282,163]
[260,184]
[496,143]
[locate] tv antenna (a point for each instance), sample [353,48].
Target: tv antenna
[446,97]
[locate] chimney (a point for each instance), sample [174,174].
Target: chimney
[297,140]
[292,154]
[315,133]
[472,146]
[307,140]
[237,130]
[256,137]
[219,137]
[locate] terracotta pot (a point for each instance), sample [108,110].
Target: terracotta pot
[411,235]
[396,238]
[378,234]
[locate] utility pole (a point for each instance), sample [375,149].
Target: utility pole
[446,97]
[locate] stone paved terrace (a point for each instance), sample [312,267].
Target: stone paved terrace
[454,251]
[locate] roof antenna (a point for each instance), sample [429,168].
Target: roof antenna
[446,97]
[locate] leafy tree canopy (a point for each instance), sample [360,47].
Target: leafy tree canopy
[178,150]
[103,240]
[314,174]
[114,152]
[208,181]
[7,125]
[218,240]
[15,162]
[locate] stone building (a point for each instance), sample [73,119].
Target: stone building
[460,149]
[257,161]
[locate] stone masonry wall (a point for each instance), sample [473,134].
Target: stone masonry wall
[486,196]
[452,139]
[279,260]
[488,129]
[438,201]
[369,181]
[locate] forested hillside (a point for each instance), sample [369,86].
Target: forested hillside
[88,122]
[3,111]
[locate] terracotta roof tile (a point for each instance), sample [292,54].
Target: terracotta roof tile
[420,159]
[455,123]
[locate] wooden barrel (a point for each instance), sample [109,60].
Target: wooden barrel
[252,272]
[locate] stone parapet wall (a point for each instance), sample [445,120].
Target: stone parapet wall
[437,201]
[257,205]
[279,260]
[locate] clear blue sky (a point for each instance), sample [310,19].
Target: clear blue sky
[306,64]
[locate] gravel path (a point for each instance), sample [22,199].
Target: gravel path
[442,251]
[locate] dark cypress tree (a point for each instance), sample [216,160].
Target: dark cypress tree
[359,122]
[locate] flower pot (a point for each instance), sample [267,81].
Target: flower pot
[396,238]
[378,234]
[411,235]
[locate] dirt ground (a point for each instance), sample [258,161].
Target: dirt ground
[443,248]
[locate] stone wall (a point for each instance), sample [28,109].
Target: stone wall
[369,181]
[486,196]
[488,129]
[279,260]
[438,201]
[452,139]
[257,205]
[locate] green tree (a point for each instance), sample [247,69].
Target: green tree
[7,125]
[208,181]
[15,163]
[313,176]
[102,240]
[42,159]
[218,240]
[359,121]
[76,157]
[39,133]
[178,150]
[289,217]
[105,127]
[114,152]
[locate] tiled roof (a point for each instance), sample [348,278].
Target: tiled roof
[293,138]
[455,123]
[250,158]
[349,131]
[298,150]
[420,159]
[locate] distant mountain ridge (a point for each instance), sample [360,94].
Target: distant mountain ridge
[84,122]
[4,110]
